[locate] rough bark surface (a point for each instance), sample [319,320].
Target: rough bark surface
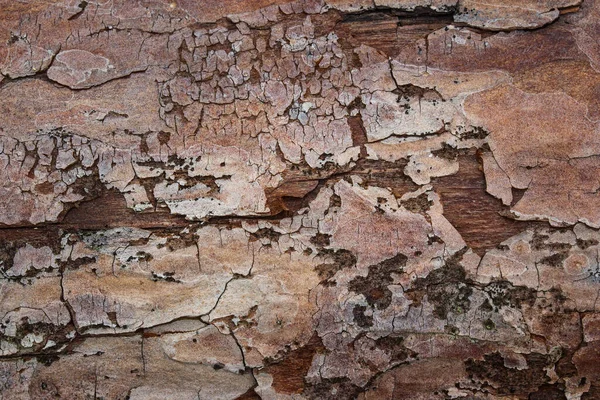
[318,199]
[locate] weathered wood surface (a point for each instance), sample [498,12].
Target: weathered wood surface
[319,199]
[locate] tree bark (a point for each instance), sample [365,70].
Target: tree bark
[318,199]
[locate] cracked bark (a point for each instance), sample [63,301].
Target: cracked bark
[299,200]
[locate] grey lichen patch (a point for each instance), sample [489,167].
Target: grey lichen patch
[419,204]
[363,320]
[380,276]
[340,259]
[448,288]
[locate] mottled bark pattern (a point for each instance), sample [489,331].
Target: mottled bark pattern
[311,199]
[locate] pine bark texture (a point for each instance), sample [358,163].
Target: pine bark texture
[316,199]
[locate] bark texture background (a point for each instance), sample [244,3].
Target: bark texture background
[319,199]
